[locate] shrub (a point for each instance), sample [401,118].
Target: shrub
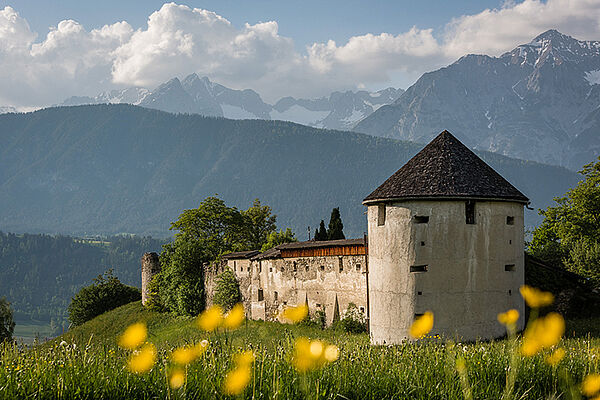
[227,290]
[7,323]
[354,320]
[105,294]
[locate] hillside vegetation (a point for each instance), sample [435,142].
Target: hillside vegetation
[106,169]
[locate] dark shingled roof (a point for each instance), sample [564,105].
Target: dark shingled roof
[241,254]
[445,168]
[321,243]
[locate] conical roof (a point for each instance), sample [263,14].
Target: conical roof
[446,168]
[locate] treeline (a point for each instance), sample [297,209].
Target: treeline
[39,274]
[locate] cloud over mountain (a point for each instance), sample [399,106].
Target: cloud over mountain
[179,40]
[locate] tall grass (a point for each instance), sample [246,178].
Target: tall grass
[93,367]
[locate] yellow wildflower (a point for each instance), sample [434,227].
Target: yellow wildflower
[591,385]
[245,359]
[508,318]
[177,378]
[331,353]
[237,380]
[210,319]
[302,360]
[234,317]
[543,333]
[554,358]
[141,361]
[295,314]
[184,355]
[422,325]
[133,336]
[536,298]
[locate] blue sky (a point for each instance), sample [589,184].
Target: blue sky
[53,49]
[305,21]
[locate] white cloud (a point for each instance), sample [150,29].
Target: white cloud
[179,40]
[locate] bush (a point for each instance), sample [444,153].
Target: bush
[353,320]
[7,323]
[105,294]
[227,290]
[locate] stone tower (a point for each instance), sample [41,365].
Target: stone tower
[150,267]
[445,235]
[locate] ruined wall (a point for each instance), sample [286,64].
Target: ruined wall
[464,273]
[211,270]
[150,267]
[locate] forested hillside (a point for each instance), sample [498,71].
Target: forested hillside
[40,273]
[108,169]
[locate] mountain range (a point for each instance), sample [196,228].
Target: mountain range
[102,169]
[195,95]
[540,101]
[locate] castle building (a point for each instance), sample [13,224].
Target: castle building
[446,236]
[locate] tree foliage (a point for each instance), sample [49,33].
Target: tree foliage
[335,230]
[259,224]
[321,233]
[570,233]
[354,320]
[277,238]
[105,294]
[227,290]
[7,323]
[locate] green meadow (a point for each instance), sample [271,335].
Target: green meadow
[86,363]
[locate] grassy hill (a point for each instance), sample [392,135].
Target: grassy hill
[106,169]
[86,363]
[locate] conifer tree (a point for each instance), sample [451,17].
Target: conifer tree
[321,234]
[336,227]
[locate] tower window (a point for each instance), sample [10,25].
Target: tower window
[509,267]
[306,268]
[421,219]
[358,267]
[261,295]
[341,264]
[422,243]
[510,220]
[418,268]
[381,215]
[282,269]
[470,212]
[275,296]
[419,293]
[322,268]
[295,267]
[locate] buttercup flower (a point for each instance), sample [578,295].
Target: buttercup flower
[310,355]
[331,353]
[142,360]
[245,359]
[508,318]
[591,385]
[295,314]
[543,333]
[210,319]
[536,298]
[422,325]
[554,358]
[133,336]
[237,380]
[234,317]
[184,355]
[177,378]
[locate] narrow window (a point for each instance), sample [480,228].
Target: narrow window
[341,264]
[270,269]
[421,219]
[381,215]
[509,241]
[260,266]
[509,292]
[295,267]
[509,267]
[470,212]
[322,268]
[422,243]
[362,310]
[281,269]
[275,295]
[306,268]
[419,293]
[510,220]
[358,267]
[418,268]
[234,265]
[261,295]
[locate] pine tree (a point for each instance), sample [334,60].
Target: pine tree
[336,227]
[321,234]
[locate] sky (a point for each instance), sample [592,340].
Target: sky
[53,49]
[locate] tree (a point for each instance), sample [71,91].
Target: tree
[569,236]
[7,323]
[259,224]
[277,238]
[336,227]
[321,234]
[215,226]
[105,294]
[227,290]
[179,286]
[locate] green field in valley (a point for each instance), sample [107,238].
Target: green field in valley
[87,363]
